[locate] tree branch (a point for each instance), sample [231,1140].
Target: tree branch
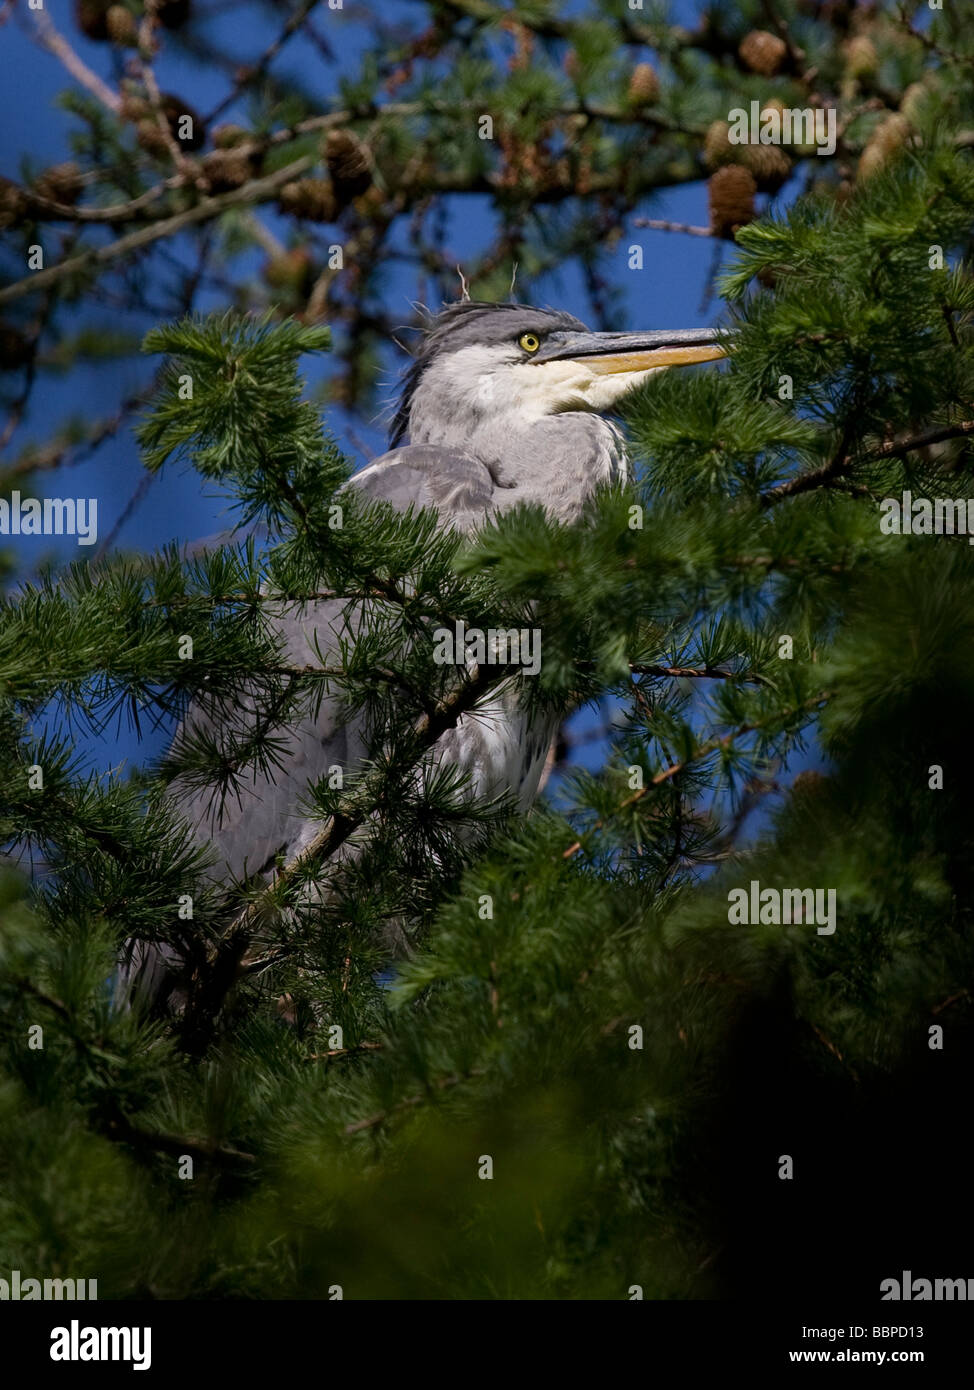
[57,44]
[837,466]
[145,236]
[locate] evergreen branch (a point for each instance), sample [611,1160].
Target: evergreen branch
[254,72]
[427,729]
[946,55]
[550,26]
[147,28]
[123,1131]
[341,1052]
[443,1083]
[117,1126]
[897,448]
[202,211]
[696,673]
[66,454]
[224,964]
[842,460]
[109,215]
[431,181]
[817,477]
[702,751]
[102,1060]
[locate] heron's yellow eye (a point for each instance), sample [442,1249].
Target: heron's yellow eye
[529,341]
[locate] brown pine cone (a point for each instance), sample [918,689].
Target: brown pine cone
[226,136]
[888,137]
[122,26]
[292,272]
[730,192]
[227,169]
[643,85]
[175,108]
[762,52]
[150,137]
[313,199]
[717,148]
[769,164]
[61,183]
[13,202]
[913,100]
[861,57]
[92,17]
[349,163]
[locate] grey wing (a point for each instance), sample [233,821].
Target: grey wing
[458,485]
[266,818]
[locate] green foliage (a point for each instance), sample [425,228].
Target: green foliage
[575,1003]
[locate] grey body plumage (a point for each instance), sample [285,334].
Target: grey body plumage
[501,405]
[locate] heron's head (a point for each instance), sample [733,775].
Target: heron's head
[496,362]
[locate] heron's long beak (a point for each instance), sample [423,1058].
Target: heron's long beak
[634,352]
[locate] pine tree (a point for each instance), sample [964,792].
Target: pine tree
[598,1073]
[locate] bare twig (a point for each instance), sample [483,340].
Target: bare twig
[702,751]
[656,224]
[715,673]
[834,469]
[444,1083]
[57,44]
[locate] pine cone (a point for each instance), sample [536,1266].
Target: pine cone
[861,57]
[762,52]
[871,160]
[291,273]
[912,102]
[149,135]
[810,785]
[175,108]
[122,26]
[888,137]
[15,350]
[643,85]
[313,199]
[226,136]
[227,169]
[349,163]
[892,132]
[717,148]
[731,193]
[769,164]
[13,202]
[92,17]
[133,108]
[61,183]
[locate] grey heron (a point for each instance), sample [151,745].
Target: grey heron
[502,404]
